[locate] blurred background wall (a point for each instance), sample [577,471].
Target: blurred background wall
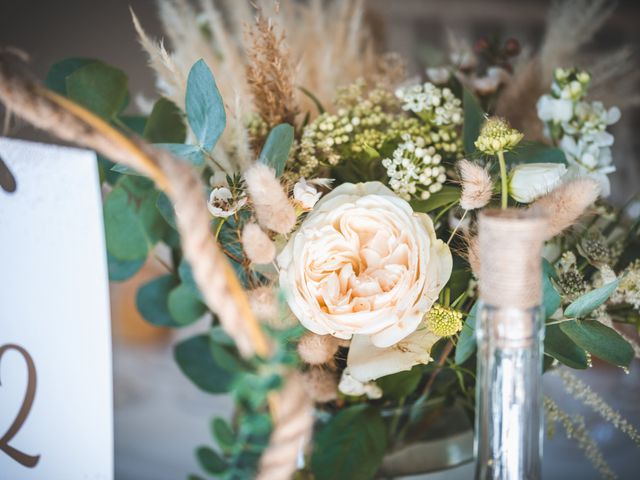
[160,417]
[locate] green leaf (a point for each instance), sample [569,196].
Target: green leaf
[223,434]
[120,270]
[99,87]
[588,302]
[165,207]
[196,362]
[447,195]
[153,222]
[205,109]
[210,461]
[599,340]
[276,149]
[186,275]
[559,346]
[184,306]
[400,384]
[467,339]
[314,99]
[550,297]
[473,119]
[351,446]
[152,301]
[535,152]
[191,153]
[57,76]
[135,123]
[124,232]
[165,124]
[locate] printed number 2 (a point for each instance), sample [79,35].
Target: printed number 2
[22,458]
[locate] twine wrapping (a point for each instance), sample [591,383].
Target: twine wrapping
[221,290]
[510,247]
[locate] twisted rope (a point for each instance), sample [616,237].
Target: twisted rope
[221,290]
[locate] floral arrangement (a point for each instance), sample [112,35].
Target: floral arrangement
[345,197]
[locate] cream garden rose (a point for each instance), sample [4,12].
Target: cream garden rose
[363,263]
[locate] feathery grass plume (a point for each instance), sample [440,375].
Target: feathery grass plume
[477,186]
[264,303]
[570,25]
[317,349]
[564,205]
[257,244]
[321,385]
[473,253]
[273,209]
[172,81]
[582,392]
[270,73]
[576,429]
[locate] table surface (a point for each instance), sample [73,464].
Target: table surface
[160,418]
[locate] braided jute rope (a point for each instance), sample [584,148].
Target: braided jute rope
[215,277]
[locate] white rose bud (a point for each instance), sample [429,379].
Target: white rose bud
[532,180]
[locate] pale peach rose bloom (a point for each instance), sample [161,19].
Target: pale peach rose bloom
[364,263]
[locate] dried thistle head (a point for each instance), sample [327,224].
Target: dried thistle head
[321,384]
[477,186]
[271,73]
[564,205]
[317,349]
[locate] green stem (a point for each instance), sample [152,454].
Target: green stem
[504,179]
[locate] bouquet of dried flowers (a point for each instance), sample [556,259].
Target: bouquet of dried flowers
[344,197]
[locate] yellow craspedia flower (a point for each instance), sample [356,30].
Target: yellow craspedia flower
[497,136]
[444,321]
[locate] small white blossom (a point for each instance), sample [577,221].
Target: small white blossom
[438,105]
[305,194]
[221,203]
[439,75]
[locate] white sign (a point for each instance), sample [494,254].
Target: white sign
[56,420]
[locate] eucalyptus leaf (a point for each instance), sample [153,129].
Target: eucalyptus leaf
[165,207]
[400,384]
[587,303]
[223,434]
[56,79]
[204,105]
[535,152]
[447,195]
[186,275]
[276,149]
[196,362]
[599,340]
[473,119]
[165,123]
[467,340]
[135,123]
[152,301]
[184,306]
[350,446]
[123,169]
[559,346]
[210,461]
[120,270]
[98,87]
[153,222]
[124,232]
[551,299]
[191,153]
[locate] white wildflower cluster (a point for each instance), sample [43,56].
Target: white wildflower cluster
[579,127]
[629,289]
[414,169]
[438,106]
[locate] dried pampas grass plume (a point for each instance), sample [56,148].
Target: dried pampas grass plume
[566,204]
[477,186]
[257,244]
[274,211]
[317,349]
[270,74]
[473,254]
[321,385]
